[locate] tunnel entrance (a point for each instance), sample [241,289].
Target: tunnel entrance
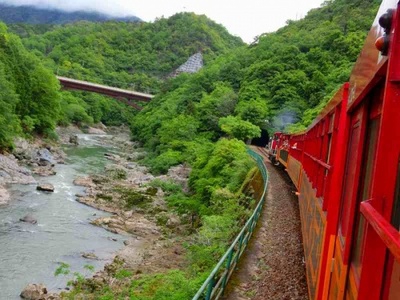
[262,141]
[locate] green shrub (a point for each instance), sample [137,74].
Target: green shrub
[131,197]
[164,161]
[168,186]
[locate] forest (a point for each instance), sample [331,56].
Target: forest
[279,82]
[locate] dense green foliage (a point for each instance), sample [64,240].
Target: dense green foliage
[137,56]
[29,92]
[128,55]
[283,78]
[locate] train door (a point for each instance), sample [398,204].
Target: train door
[349,194]
[364,193]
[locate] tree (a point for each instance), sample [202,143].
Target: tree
[254,111]
[240,129]
[219,103]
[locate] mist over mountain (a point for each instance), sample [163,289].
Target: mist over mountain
[33,15]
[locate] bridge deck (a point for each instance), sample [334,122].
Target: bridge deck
[118,93]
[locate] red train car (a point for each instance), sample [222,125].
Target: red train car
[277,148]
[346,167]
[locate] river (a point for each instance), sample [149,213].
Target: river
[31,253]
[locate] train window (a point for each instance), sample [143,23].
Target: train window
[331,123]
[328,153]
[372,137]
[349,180]
[396,204]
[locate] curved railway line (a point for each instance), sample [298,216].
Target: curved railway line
[273,264]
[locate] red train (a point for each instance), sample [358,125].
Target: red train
[346,168]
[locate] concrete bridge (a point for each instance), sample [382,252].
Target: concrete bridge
[125,96]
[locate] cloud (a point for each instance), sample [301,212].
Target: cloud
[116,8]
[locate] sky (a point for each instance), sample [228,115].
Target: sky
[244,18]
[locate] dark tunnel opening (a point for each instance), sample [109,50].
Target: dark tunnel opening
[262,141]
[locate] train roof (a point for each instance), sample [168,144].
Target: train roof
[370,60]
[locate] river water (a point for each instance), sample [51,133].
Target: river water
[31,253]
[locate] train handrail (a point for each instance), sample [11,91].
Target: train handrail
[387,233]
[214,286]
[325,165]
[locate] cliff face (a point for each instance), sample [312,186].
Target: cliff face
[192,65]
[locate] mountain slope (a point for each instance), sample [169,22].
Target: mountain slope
[33,15]
[130,55]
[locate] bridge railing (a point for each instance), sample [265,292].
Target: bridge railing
[215,284]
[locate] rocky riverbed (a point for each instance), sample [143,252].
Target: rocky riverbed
[40,157]
[138,210]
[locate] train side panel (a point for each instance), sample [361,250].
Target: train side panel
[346,168]
[310,168]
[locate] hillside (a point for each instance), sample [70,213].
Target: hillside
[284,78]
[33,15]
[138,56]
[130,55]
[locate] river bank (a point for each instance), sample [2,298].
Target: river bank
[137,212]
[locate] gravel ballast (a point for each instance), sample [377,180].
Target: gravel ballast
[273,264]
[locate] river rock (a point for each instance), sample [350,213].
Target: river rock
[28,219]
[100,126]
[44,171]
[84,181]
[116,171]
[73,139]
[89,255]
[4,195]
[127,214]
[131,165]
[112,156]
[22,149]
[92,130]
[139,178]
[47,187]
[34,292]
[173,222]
[52,296]
[44,157]
[11,172]
[179,174]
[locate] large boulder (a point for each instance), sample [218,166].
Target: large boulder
[23,149]
[11,172]
[34,292]
[44,157]
[47,187]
